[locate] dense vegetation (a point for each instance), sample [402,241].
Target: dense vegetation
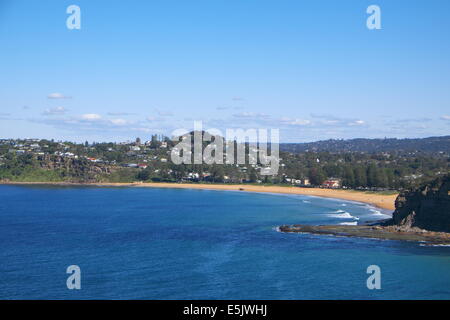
[43,160]
[426,145]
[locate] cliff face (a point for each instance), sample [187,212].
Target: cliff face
[75,170]
[427,207]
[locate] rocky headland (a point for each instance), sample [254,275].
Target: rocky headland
[422,214]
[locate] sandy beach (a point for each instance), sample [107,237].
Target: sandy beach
[377,200]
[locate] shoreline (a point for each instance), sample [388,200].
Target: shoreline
[386,202]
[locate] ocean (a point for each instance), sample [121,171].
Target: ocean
[150,243]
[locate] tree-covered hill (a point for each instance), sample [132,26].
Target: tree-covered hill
[426,145]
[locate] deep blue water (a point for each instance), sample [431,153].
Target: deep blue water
[143,243]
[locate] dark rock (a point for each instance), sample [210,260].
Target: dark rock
[427,207]
[375,232]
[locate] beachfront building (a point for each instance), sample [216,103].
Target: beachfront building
[298,182]
[332,183]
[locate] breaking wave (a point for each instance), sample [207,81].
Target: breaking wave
[376,212]
[434,245]
[341,214]
[353,223]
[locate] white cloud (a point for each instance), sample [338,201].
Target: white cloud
[445,117]
[296,122]
[411,120]
[118,114]
[57,95]
[165,113]
[91,117]
[250,115]
[119,122]
[55,111]
[4,116]
[357,123]
[335,121]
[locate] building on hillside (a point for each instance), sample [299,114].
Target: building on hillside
[332,183]
[299,182]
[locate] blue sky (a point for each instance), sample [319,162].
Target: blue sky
[309,68]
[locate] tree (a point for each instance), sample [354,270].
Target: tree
[143,175]
[316,176]
[360,177]
[217,173]
[349,177]
[178,171]
[382,179]
[372,176]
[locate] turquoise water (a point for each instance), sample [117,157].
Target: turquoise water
[143,243]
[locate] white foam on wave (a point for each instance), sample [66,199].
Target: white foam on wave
[434,245]
[341,214]
[306,201]
[376,212]
[353,223]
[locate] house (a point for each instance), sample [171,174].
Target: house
[298,182]
[332,183]
[193,175]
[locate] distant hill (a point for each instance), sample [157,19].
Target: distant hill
[430,145]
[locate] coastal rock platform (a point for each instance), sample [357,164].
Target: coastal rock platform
[373,231]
